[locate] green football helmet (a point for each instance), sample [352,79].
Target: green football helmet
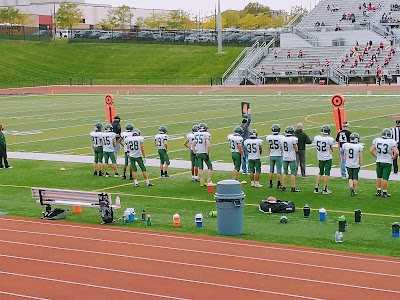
[195,128]
[238,130]
[98,126]
[253,133]
[203,127]
[162,129]
[326,129]
[135,132]
[108,128]
[289,130]
[386,133]
[129,127]
[275,129]
[354,138]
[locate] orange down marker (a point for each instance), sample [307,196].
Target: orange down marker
[110,108]
[339,112]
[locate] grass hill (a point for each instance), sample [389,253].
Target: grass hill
[26,61]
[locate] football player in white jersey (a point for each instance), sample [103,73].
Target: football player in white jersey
[353,160]
[201,147]
[109,143]
[124,135]
[235,145]
[289,149]
[135,145]
[275,155]
[384,149]
[324,146]
[188,144]
[161,142]
[97,146]
[254,149]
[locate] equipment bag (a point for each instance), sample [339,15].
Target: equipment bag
[277,206]
[105,210]
[55,214]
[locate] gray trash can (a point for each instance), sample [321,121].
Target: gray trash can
[229,200]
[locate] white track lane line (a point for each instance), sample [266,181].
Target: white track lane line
[221,241]
[90,285]
[22,296]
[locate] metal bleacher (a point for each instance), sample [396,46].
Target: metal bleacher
[331,41]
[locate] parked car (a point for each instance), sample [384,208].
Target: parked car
[207,38]
[146,36]
[261,39]
[116,35]
[244,39]
[83,34]
[232,38]
[129,35]
[192,38]
[43,33]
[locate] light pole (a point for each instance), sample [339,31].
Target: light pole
[219,21]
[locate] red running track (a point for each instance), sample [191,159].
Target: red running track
[58,260]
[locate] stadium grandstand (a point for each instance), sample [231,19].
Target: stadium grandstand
[338,42]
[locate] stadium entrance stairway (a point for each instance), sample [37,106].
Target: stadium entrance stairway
[175,164]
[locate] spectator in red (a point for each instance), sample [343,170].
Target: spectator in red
[273,70]
[288,54]
[378,51]
[381,45]
[262,70]
[361,57]
[365,51]
[367,68]
[300,55]
[356,62]
[352,69]
[318,63]
[327,62]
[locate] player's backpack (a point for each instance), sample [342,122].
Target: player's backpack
[277,206]
[55,214]
[105,210]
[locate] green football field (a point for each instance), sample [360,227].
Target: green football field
[61,124]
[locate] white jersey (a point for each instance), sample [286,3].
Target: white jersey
[352,154]
[97,138]
[275,147]
[108,138]
[134,145]
[384,150]
[288,144]
[323,144]
[124,136]
[200,139]
[253,148]
[234,141]
[160,140]
[190,137]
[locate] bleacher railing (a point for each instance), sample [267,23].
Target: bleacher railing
[336,74]
[306,35]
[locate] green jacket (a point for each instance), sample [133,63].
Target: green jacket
[2,140]
[303,139]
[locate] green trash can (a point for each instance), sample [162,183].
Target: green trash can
[229,200]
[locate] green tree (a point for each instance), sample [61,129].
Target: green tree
[230,18]
[122,16]
[255,8]
[68,15]
[178,19]
[249,21]
[155,21]
[12,16]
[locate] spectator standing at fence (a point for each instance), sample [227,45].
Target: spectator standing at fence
[342,138]
[303,139]
[396,136]
[3,150]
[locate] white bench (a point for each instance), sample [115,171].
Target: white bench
[48,197]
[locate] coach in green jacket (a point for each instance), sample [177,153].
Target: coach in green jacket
[303,139]
[3,150]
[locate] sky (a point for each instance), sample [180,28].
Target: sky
[207,6]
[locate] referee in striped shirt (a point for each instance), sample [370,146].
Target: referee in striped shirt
[396,136]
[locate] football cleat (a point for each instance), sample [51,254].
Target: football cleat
[294,190]
[275,129]
[326,129]
[354,138]
[238,130]
[317,191]
[326,192]
[150,184]
[129,127]
[386,133]
[289,130]
[162,129]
